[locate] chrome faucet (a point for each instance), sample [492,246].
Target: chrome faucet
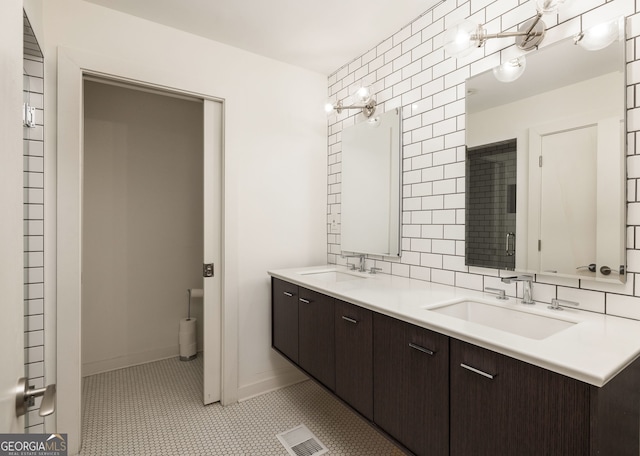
[527,297]
[361,266]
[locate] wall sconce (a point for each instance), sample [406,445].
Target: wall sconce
[462,38]
[364,100]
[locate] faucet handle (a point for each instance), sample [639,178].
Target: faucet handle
[374,270]
[497,291]
[555,303]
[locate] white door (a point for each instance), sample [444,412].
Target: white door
[212,246]
[568,200]
[11,237]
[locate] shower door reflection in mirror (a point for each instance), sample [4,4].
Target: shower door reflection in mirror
[491,205]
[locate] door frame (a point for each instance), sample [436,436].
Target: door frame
[73,65]
[11,205]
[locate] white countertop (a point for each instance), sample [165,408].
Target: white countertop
[593,350]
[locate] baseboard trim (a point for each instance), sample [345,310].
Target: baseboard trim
[129,360]
[291,377]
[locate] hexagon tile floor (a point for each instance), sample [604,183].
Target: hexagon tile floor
[156,409]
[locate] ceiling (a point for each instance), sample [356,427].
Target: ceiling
[321,36]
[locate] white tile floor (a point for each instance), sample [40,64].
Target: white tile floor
[156,409]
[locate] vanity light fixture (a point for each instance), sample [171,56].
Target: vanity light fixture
[364,98]
[601,35]
[465,36]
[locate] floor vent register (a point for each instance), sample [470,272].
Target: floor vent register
[299,441]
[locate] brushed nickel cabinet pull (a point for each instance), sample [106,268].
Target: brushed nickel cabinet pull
[286,293]
[306,301]
[350,320]
[422,349]
[478,371]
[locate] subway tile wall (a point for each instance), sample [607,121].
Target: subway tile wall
[33,152]
[410,70]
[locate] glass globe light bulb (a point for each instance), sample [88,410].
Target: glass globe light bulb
[511,70]
[462,38]
[601,36]
[328,107]
[363,95]
[550,6]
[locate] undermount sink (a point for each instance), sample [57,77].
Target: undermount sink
[513,321]
[332,275]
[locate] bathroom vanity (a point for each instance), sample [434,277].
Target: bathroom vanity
[449,371]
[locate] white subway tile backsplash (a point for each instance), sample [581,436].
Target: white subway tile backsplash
[412,204]
[431,260]
[472,281]
[401,270]
[33,307]
[454,232]
[420,273]
[455,263]
[623,306]
[608,11]
[633,260]
[443,246]
[33,243]
[444,187]
[445,97]
[411,231]
[444,277]
[432,231]
[454,201]
[411,258]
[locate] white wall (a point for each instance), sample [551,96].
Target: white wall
[274,147]
[410,70]
[142,224]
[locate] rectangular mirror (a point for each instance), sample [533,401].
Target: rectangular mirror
[371,183]
[565,119]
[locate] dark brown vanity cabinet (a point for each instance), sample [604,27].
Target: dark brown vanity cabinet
[502,406]
[354,356]
[316,344]
[284,318]
[437,395]
[411,385]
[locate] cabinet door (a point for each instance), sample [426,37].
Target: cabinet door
[411,385]
[502,406]
[284,318]
[354,356]
[316,339]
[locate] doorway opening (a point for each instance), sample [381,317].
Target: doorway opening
[149,223]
